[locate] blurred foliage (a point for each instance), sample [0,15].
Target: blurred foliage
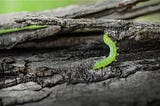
[35,5]
[7,6]
[150,18]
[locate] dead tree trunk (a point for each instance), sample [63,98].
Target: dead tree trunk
[53,65]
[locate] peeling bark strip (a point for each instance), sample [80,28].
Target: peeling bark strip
[134,13]
[8,41]
[103,8]
[119,29]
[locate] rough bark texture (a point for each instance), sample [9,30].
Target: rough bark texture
[53,66]
[133,79]
[119,29]
[118,9]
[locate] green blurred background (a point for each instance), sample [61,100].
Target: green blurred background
[7,6]
[32,5]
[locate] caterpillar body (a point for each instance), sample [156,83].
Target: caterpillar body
[112,54]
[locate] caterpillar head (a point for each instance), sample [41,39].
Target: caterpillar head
[106,39]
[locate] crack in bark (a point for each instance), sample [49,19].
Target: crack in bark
[51,73]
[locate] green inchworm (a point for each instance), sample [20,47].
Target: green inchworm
[112,54]
[4,31]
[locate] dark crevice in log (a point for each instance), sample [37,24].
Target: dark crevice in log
[59,69]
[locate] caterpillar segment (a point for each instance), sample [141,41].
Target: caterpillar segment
[112,54]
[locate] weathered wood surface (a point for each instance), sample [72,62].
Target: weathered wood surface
[117,9]
[68,73]
[57,70]
[118,29]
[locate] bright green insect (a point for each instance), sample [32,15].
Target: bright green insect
[4,31]
[112,54]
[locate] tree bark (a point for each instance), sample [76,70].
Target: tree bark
[53,65]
